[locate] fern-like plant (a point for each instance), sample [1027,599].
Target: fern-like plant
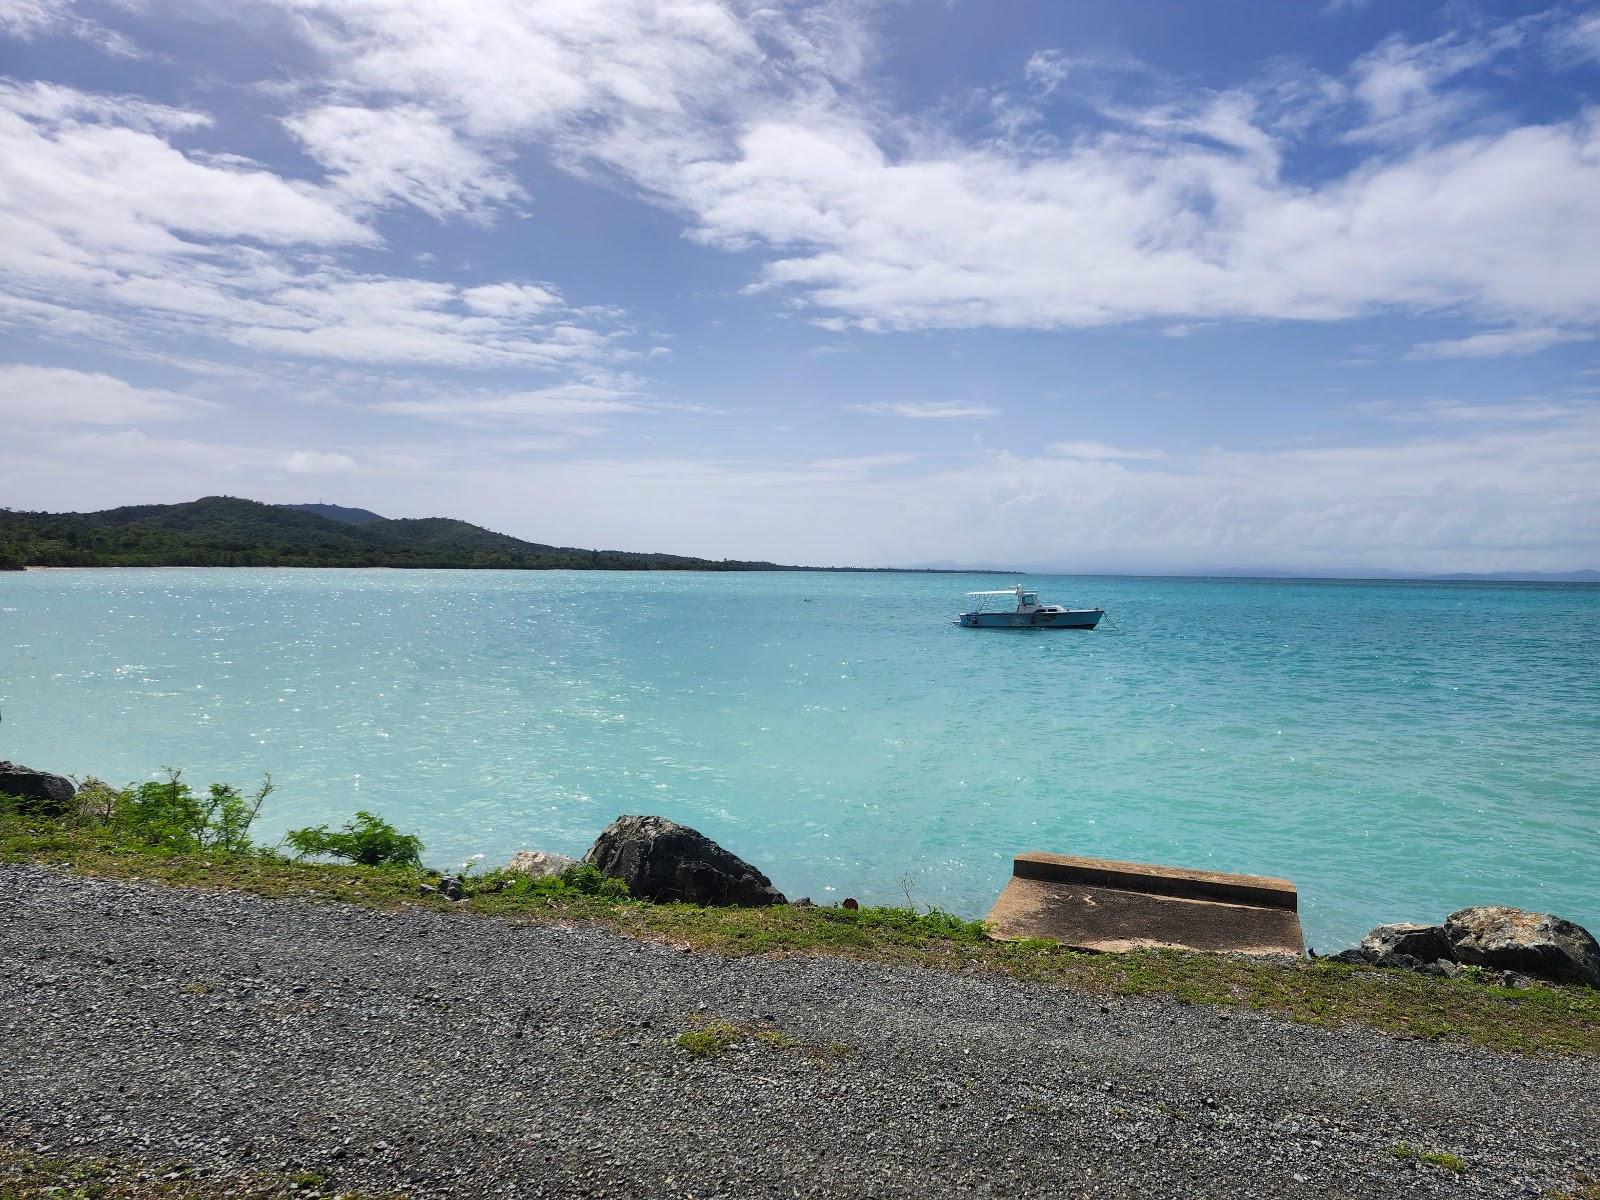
[367,839]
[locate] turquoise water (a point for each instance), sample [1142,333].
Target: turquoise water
[1396,749]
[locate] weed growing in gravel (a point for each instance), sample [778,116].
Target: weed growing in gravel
[708,1039]
[1434,1158]
[25,1176]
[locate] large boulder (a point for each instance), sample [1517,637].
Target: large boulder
[1537,944]
[38,790]
[661,860]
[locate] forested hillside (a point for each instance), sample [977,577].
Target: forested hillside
[221,531]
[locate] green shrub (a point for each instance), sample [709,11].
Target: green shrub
[169,814]
[587,880]
[580,879]
[368,840]
[95,802]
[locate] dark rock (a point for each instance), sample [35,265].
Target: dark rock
[661,860]
[1424,942]
[1537,944]
[1355,957]
[1403,947]
[39,791]
[803,902]
[850,903]
[450,888]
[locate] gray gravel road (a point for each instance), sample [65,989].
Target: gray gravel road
[440,1055]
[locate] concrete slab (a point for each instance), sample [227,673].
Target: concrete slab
[1100,904]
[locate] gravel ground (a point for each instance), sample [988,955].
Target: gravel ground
[435,1054]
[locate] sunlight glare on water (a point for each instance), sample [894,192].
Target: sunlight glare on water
[1398,750]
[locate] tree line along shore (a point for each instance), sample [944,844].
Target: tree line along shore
[224,531]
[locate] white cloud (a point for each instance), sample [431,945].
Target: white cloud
[1582,36]
[1455,412]
[89,175]
[407,154]
[1182,210]
[388,320]
[1099,452]
[511,299]
[857,464]
[28,19]
[319,462]
[926,410]
[1401,84]
[499,67]
[108,230]
[1047,70]
[556,404]
[1498,343]
[59,395]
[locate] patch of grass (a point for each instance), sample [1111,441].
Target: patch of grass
[1543,1019]
[709,1041]
[709,1038]
[1433,1158]
[25,1175]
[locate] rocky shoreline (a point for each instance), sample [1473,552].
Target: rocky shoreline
[1506,945]
[659,860]
[424,1055]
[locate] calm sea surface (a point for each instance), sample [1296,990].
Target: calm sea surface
[1396,749]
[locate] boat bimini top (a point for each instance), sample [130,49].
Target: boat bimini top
[1025,599]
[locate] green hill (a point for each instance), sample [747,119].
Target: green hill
[221,531]
[336,512]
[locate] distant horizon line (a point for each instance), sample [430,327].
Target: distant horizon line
[946,566]
[1345,575]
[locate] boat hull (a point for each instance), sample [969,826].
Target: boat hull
[1074,618]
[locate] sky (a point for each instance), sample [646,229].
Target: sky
[1076,284]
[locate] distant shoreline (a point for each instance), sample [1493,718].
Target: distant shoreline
[225,531]
[1432,580]
[524,570]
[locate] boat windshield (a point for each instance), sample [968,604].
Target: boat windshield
[1029,598]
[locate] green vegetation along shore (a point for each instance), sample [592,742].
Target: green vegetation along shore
[162,833]
[222,531]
